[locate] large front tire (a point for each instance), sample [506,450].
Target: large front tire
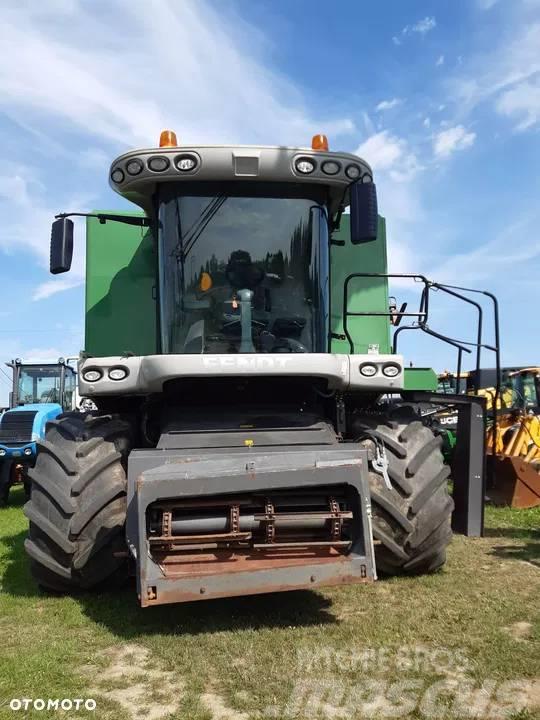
[77,509]
[411,521]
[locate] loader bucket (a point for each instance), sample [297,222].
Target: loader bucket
[516,482]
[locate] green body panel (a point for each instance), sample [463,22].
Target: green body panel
[420,379]
[365,294]
[120,277]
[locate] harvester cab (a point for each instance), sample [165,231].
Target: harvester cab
[251,433]
[40,392]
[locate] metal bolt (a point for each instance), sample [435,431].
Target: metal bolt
[313,578]
[202,591]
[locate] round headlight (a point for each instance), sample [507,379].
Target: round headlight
[185,163]
[118,373]
[305,166]
[27,451]
[368,370]
[158,163]
[366,178]
[134,167]
[330,167]
[353,172]
[391,370]
[91,375]
[2,452]
[117,175]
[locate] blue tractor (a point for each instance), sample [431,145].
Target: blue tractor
[41,392]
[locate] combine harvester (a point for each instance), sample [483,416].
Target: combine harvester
[253,431]
[40,392]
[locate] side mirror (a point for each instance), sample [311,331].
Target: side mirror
[61,245]
[364,216]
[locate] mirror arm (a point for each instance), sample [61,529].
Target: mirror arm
[103,217]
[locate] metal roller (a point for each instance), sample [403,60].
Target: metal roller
[205,525]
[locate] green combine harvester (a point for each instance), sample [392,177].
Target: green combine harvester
[256,428]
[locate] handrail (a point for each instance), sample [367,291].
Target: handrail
[423,315]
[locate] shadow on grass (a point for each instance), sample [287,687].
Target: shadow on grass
[119,610]
[527,552]
[121,614]
[17,579]
[517,533]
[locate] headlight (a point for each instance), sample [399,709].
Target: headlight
[27,451]
[134,167]
[330,167]
[391,370]
[92,375]
[117,175]
[366,178]
[184,163]
[118,373]
[158,163]
[2,452]
[353,172]
[368,370]
[305,166]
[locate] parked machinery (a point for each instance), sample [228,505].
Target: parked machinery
[253,431]
[40,392]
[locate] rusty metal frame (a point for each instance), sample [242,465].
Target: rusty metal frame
[157,476]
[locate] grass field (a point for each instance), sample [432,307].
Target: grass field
[462,643]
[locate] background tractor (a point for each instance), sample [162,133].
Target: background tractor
[40,392]
[253,430]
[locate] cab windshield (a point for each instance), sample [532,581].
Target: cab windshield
[243,268]
[42,384]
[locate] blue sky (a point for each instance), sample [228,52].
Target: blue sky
[442,99]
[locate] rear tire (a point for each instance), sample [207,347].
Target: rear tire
[411,522]
[77,508]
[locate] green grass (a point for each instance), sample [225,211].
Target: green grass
[217,659]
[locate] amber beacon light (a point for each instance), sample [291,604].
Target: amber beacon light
[168,139]
[319,142]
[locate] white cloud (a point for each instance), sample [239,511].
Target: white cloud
[440,61]
[510,248]
[388,153]
[189,68]
[116,78]
[421,27]
[94,159]
[426,122]
[522,101]
[509,78]
[381,150]
[424,26]
[455,138]
[51,287]
[388,104]
[28,217]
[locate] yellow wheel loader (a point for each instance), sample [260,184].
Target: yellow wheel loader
[514,442]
